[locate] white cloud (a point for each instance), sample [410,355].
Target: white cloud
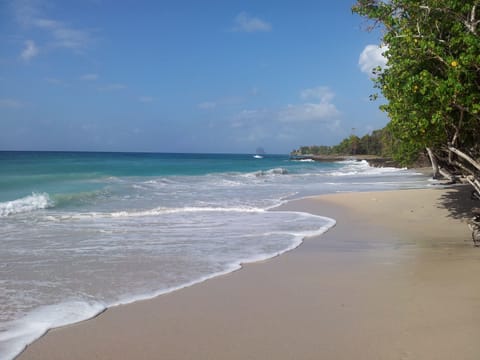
[63,35]
[10,103]
[253,126]
[322,93]
[321,110]
[308,112]
[247,118]
[89,77]
[314,111]
[371,57]
[30,14]
[30,50]
[246,23]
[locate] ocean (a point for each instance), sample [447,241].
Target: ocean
[81,232]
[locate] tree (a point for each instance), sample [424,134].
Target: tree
[432,79]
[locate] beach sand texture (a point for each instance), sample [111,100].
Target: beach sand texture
[396,278]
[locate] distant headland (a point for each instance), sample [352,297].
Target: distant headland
[377,148]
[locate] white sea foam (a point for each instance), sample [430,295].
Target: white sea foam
[21,332]
[155,212]
[362,168]
[164,211]
[266,173]
[26,204]
[145,236]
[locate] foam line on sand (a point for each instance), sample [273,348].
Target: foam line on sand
[396,278]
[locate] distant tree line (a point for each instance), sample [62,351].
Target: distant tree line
[379,142]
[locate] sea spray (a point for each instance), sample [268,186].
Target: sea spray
[26,204]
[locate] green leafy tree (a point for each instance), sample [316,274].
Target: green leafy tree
[432,79]
[379,142]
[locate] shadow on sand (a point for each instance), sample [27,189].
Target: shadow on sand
[459,202]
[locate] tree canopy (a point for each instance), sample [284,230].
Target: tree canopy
[432,79]
[377,143]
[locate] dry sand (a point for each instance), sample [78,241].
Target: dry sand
[397,278]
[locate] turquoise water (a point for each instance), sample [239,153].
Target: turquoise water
[22,173]
[85,231]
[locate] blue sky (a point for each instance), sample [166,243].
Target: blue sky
[183,76]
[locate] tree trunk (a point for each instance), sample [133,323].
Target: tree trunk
[433,161]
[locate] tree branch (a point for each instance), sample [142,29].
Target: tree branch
[474,182]
[471,24]
[463,167]
[465,157]
[446,174]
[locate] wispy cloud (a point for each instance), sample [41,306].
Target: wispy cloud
[248,118]
[30,50]
[89,77]
[371,57]
[10,103]
[26,10]
[31,16]
[244,22]
[308,112]
[320,107]
[321,93]
[254,126]
[314,110]
[63,35]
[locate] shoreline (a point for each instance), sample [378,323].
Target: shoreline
[234,267]
[79,341]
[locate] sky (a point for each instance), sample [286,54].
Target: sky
[211,76]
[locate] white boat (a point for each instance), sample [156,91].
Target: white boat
[259,153]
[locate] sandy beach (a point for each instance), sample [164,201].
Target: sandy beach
[396,278]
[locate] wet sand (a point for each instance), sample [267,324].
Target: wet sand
[396,278]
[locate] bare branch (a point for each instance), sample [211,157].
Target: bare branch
[474,182]
[446,174]
[463,167]
[471,24]
[465,157]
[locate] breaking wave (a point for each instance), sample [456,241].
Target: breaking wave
[26,204]
[363,168]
